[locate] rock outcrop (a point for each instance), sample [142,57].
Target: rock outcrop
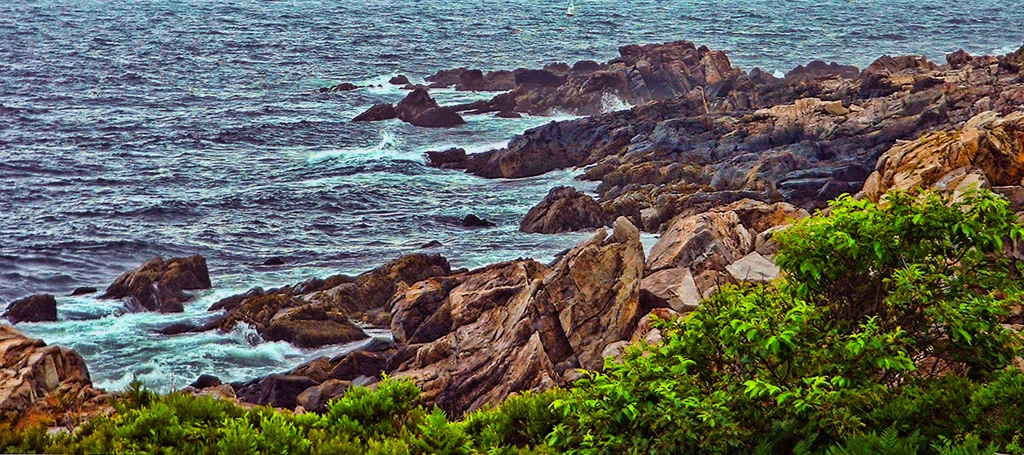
[160,285]
[417,108]
[31,371]
[988,150]
[564,210]
[319,312]
[35,308]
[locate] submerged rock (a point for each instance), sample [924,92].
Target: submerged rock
[36,308]
[159,284]
[472,220]
[84,290]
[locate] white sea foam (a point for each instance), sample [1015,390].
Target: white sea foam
[388,148]
[612,103]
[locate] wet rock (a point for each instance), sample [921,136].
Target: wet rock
[453,158]
[342,87]
[84,290]
[35,308]
[541,78]
[474,221]
[419,109]
[431,244]
[159,284]
[378,112]
[274,261]
[564,210]
[508,114]
[179,328]
[399,80]
[319,312]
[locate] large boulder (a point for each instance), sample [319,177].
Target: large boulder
[30,371]
[989,142]
[312,325]
[159,284]
[419,109]
[564,210]
[35,308]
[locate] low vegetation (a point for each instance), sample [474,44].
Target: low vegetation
[888,334]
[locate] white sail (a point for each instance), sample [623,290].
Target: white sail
[572,9]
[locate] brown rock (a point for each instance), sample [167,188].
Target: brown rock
[310,326]
[315,398]
[672,288]
[564,210]
[30,370]
[988,141]
[159,284]
[708,241]
[36,308]
[753,268]
[399,80]
[417,304]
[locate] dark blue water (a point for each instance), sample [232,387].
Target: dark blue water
[135,129]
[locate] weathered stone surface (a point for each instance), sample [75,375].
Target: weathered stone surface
[30,371]
[519,326]
[317,312]
[701,242]
[453,158]
[990,142]
[35,308]
[564,210]
[753,268]
[312,325]
[159,284]
[673,288]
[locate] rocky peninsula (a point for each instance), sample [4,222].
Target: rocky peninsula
[712,158]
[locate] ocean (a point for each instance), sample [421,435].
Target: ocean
[135,129]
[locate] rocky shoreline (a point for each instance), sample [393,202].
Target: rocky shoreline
[712,158]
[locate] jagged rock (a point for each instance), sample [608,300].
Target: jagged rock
[708,241]
[159,284]
[453,158]
[35,308]
[820,69]
[342,87]
[564,210]
[318,312]
[519,326]
[419,109]
[84,290]
[753,268]
[30,371]
[417,304]
[377,112]
[431,244]
[399,80]
[988,141]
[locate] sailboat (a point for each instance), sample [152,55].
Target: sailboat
[572,9]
